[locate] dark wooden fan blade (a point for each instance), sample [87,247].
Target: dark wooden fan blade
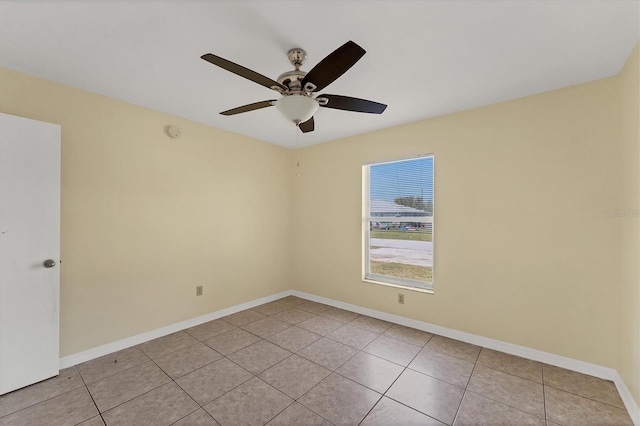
[247,108]
[333,66]
[242,71]
[307,126]
[352,104]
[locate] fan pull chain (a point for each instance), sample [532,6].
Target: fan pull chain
[297,155]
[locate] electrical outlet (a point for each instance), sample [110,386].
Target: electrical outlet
[199,290]
[401,298]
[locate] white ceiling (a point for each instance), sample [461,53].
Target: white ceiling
[424,58]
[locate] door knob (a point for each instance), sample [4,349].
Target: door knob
[49,263]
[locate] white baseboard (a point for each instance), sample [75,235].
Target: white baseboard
[498,345]
[510,348]
[627,398]
[118,345]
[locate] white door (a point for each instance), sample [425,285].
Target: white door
[29,237]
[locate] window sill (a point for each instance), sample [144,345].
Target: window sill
[404,287]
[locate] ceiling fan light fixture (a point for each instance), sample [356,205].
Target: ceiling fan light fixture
[297,108]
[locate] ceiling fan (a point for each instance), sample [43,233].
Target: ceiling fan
[299,89]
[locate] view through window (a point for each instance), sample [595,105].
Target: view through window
[398,222]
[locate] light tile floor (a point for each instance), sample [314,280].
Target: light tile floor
[297,362]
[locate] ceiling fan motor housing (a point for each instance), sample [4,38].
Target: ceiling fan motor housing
[292,79]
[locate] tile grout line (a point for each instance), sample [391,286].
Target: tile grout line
[586,397]
[321,337]
[544,385]
[39,402]
[464,394]
[510,374]
[144,393]
[226,392]
[90,395]
[541,384]
[452,356]
[168,353]
[131,399]
[466,388]
[504,403]
[173,380]
[330,371]
[296,400]
[371,409]
[177,350]
[405,368]
[304,406]
[184,417]
[544,396]
[293,400]
[493,399]
[111,375]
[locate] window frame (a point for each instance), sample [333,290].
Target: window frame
[391,281]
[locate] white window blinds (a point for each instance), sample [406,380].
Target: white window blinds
[398,222]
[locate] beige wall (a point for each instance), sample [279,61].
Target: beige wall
[523,251]
[146,218]
[629,302]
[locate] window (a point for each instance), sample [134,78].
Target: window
[398,223]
